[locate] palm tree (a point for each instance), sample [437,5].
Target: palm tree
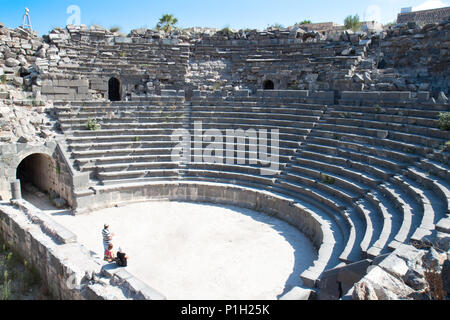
[166,23]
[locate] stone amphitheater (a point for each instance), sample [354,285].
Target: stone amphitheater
[358,161]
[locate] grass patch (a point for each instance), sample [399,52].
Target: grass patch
[327,179]
[444,121]
[92,125]
[18,279]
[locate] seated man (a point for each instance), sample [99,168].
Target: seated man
[122,258]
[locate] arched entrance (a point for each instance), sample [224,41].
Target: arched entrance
[37,170]
[114,89]
[268,85]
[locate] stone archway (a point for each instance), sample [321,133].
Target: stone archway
[39,170]
[268,85]
[114,89]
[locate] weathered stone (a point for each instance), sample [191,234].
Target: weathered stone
[11,62]
[297,293]
[364,291]
[382,285]
[394,265]
[442,98]
[414,279]
[432,260]
[446,277]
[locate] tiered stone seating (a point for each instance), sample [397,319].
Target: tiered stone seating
[293,123]
[133,142]
[376,159]
[376,175]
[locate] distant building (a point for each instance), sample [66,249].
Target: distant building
[406,10]
[424,16]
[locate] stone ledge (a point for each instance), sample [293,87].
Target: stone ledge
[48,225]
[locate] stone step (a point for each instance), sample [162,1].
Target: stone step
[437,169]
[236,122]
[230,109]
[428,214]
[285,133]
[230,177]
[381,121]
[122,152]
[380,245]
[392,159]
[408,109]
[341,198]
[418,139]
[318,172]
[106,126]
[103,137]
[254,115]
[245,169]
[106,177]
[346,169]
[117,114]
[440,188]
[402,222]
[133,181]
[135,166]
[123,160]
[374,166]
[315,198]
[398,146]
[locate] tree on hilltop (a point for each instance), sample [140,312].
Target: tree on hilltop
[167,23]
[353,22]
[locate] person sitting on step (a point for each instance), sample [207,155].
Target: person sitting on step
[122,258]
[109,255]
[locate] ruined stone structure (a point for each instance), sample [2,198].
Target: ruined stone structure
[362,166]
[424,16]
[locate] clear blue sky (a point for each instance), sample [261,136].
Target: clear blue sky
[132,14]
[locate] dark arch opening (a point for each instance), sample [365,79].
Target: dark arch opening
[268,85]
[36,170]
[114,89]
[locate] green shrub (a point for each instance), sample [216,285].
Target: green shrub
[227,31]
[5,293]
[444,121]
[114,29]
[305,22]
[277,26]
[92,125]
[327,179]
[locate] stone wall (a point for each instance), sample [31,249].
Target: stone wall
[18,54]
[424,16]
[66,268]
[66,90]
[415,59]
